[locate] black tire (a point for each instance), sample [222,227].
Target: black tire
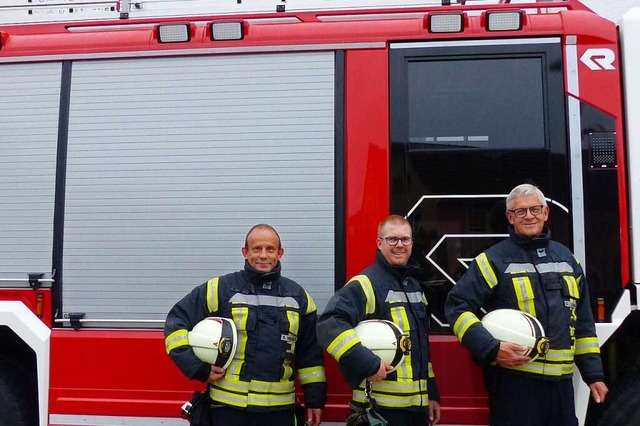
[621,406]
[18,396]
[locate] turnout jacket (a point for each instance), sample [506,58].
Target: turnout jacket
[275,320]
[391,293]
[540,277]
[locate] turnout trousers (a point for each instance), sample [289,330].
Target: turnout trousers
[516,400]
[228,416]
[404,417]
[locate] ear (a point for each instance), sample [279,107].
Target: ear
[546,213]
[280,253]
[379,243]
[510,217]
[245,252]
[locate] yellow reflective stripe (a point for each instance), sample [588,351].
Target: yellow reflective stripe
[545,369]
[341,344]
[587,345]
[403,393]
[240,316]
[311,375]
[487,271]
[212,295]
[559,355]
[462,324]
[524,294]
[431,373]
[176,339]
[294,323]
[424,299]
[288,370]
[311,305]
[572,284]
[399,317]
[367,288]
[556,363]
[257,393]
[270,400]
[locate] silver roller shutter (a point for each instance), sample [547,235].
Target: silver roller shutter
[30,94]
[172,160]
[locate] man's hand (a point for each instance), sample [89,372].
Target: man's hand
[382,372]
[434,412]
[509,355]
[314,416]
[598,391]
[215,374]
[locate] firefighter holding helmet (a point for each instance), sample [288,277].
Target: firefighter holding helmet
[530,273]
[275,323]
[386,290]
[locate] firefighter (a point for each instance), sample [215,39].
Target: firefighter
[530,273]
[386,290]
[275,320]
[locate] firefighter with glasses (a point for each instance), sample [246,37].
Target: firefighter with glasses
[275,320]
[386,290]
[531,273]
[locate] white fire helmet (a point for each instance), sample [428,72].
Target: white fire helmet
[214,341]
[510,325]
[384,339]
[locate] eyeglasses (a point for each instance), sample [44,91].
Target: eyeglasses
[535,210]
[393,241]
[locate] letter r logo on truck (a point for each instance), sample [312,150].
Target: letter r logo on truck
[599,59]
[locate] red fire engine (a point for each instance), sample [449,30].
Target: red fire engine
[139,141]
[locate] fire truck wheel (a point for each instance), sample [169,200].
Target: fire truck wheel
[621,407]
[18,401]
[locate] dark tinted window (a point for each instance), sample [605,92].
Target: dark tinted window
[468,123]
[467,103]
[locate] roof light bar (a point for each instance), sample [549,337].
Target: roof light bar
[174,33]
[504,21]
[221,31]
[445,22]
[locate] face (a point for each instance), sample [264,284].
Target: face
[262,250]
[398,254]
[530,225]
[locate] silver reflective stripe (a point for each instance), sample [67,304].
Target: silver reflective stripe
[559,267]
[514,268]
[85,419]
[262,300]
[399,296]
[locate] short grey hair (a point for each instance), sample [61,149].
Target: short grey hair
[525,190]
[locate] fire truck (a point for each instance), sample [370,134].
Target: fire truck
[140,139]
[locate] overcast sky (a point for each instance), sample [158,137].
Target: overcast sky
[611,9]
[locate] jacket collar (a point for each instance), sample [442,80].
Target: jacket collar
[259,277]
[411,269]
[538,241]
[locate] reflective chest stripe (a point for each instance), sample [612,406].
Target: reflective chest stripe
[240,315]
[524,294]
[401,296]
[399,316]
[264,300]
[524,289]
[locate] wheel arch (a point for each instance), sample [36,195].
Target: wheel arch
[24,338]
